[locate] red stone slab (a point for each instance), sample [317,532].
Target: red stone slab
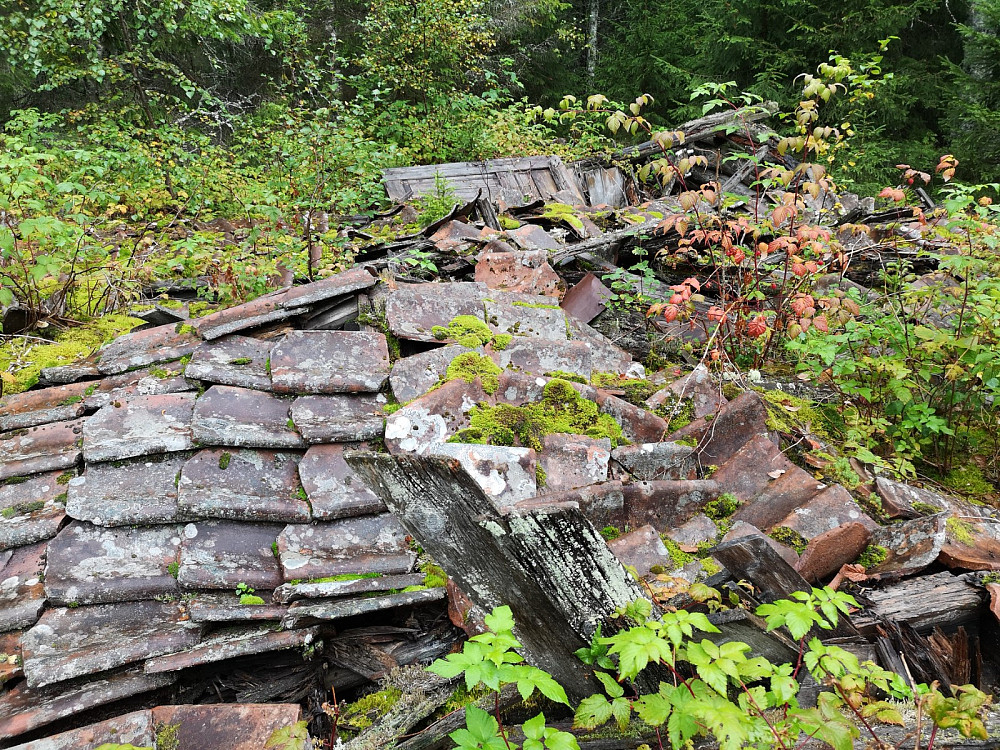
[121,493]
[32,408]
[139,426]
[666,503]
[911,546]
[736,424]
[333,489]
[23,709]
[605,356]
[134,729]
[526,315]
[339,418]
[32,510]
[156,381]
[224,554]
[242,485]
[22,594]
[232,643]
[72,642]
[830,550]
[233,360]
[227,727]
[663,460]
[747,472]
[34,450]
[971,544]
[240,417]
[777,496]
[218,606]
[87,564]
[338,285]
[259,312]
[413,310]
[330,362]
[432,418]
[413,376]
[638,425]
[147,347]
[371,544]
[10,657]
[829,509]
[642,549]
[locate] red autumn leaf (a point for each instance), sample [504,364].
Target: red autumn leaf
[670,313]
[820,323]
[715,313]
[801,303]
[757,327]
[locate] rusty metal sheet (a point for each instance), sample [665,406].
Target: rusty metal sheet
[587,299]
[227,727]
[147,347]
[242,485]
[24,709]
[33,450]
[290,592]
[72,642]
[224,554]
[339,418]
[122,493]
[310,611]
[334,490]
[87,564]
[233,360]
[22,595]
[259,312]
[329,362]
[240,417]
[139,426]
[232,643]
[353,280]
[31,408]
[371,544]
[413,310]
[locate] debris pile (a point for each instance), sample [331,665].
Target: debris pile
[250,507]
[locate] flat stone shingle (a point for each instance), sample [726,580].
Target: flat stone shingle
[32,510]
[259,312]
[310,611]
[330,362]
[240,417]
[334,490]
[243,485]
[372,544]
[335,589]
[34,450]
[31,408]
[571,461]
[22,594]
[231,643]
[413,376]
[413,310]
[122,493]
[224,606]
[224,554]
[72,642]
[432,418]
[540,357]
[348,282]
[139,426]
[87,564]
[339,418]
[233,360]
[506,475]
[142,348]
[134,728]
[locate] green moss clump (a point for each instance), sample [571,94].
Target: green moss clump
[65,477]
[541,478]
[561,410]
[470,366]
[536,305]
[22,360]
[873,556]
[678,412]
[926,509]
[506,222]
[185,328]
[22,509]
[678,557]
[251,600]
[167,737]
[722,507]
[339,577]
[60,498]
[368,709]
[968,480]
[224,460]
[241,361]
[961,531]
[710,566]
[467,330]
[636,390]
[434,576]
[501,341]
[790,538]
[610,533]
[567,376]
[174,569]
[564,213]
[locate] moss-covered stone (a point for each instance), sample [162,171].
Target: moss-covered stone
[786,413]
[634,390]
[790,538]
[722,507]
[678,557]
[961,531]
[561,212]
[873,556]
[434,575]
[251,600]
[926,509]
[467,330]
[561,410]
[470,365]
[610,533]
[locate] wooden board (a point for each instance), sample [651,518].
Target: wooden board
[514,181]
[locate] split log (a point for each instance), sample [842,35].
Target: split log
[549,564]
[415,705]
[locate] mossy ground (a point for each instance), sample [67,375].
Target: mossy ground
[561,410]
[23,358]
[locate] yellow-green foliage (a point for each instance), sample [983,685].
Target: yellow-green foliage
[722,507]
[166,737]
[678,557]
[678,412]
[470,366]
[368,709]
[434,576]
[961,531]
[467,330]
[564,213]
[561,410]
[22,359]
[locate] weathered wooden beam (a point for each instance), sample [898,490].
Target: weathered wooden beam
[549,564]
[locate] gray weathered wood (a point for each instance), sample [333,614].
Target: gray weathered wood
[415,705]
[549,564]
[940,600]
